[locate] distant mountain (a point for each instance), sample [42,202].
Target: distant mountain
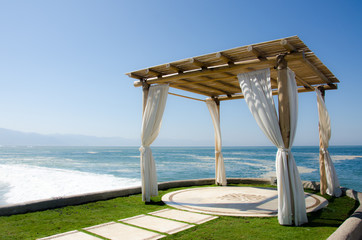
[17,138]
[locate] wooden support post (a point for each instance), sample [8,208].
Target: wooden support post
[217,154]
[322,169]
[284,111]
[283,100]
[145,89]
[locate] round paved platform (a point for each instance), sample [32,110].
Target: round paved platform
[235,201]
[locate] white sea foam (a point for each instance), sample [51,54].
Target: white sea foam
[344,157]
[269,174]
[300,169]
[305,169]
[198,157]
[27,183]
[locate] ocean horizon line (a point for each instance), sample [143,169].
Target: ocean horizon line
[181,146]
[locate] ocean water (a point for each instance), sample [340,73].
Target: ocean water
[34,173]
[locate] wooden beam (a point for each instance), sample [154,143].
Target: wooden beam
[318,72]
[173,68]
[274,92]
[153,72]
[302,82]
[287,45]
[179,95]
[256,52]
[224,58]
[133,75]
[197,63]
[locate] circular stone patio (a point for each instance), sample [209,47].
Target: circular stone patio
[235,201]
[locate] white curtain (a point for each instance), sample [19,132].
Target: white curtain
[256,87]
[220,177]
[333,188]
[151,124]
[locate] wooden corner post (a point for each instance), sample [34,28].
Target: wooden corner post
[284,110]
[145,90]
[217,153]
[283,100]
[322,169]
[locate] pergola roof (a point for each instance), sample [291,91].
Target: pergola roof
[215,74]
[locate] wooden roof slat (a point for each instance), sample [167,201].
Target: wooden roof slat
[223,83]
[302,82]
[208,79]
[207,87]
[189,89]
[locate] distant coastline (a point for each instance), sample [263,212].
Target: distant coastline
[18,138]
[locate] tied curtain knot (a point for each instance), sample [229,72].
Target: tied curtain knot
[217,152]
[324,151]
[286,150]
[142,149]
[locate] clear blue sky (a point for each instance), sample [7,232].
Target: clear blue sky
[62,64]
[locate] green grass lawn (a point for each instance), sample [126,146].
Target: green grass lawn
[45,223]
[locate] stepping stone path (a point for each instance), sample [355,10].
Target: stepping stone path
[149,226]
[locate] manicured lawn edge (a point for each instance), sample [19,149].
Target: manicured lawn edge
[49,222]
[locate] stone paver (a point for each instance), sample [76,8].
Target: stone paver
[183,216]
[157,224]
[72,235]
[119,231]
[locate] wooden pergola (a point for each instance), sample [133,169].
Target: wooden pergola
[215,76]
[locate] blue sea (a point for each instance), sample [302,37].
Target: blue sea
[35,173]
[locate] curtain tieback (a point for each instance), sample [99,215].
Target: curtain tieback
[324,151]
[217,152]
[286,150]
[142,149]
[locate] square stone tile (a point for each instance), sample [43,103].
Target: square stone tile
[157,224]
[119,231]
[72,235]
[184,216]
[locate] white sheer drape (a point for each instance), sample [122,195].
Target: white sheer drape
[151,124]
[256,87]
[220,177]
[333,188]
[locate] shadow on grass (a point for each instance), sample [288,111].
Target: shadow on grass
[155,203]
[333,215]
